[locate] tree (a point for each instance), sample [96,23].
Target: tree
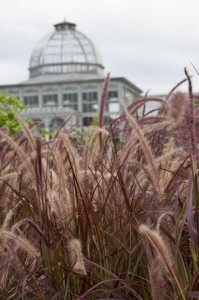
[8,105]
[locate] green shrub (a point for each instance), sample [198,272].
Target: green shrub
[8,105]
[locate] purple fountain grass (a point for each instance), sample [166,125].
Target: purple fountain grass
[157,281]
[101,106]
[80,202]
[177,108]
[191,121]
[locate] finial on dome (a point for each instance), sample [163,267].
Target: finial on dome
[65,25]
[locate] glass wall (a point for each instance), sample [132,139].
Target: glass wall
[112,105]
[90,101]
[31,101]
[66,51]
[87,121]
[38,125]
[50,100]
[55,124]
[70,101]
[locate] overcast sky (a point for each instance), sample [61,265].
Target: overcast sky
[147,41]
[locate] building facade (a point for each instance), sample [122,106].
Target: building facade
[66,81]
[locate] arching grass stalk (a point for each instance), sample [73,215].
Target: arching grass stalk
[163,254]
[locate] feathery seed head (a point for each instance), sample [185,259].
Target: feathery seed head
[161,248]
[76,256]
[23,243]
[157,280]
[177,104]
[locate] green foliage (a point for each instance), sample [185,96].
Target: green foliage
[94,121]
[45,132]
[8,105]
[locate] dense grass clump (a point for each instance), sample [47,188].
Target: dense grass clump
[114,216]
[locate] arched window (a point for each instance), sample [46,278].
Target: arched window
[39,125]
[55,124]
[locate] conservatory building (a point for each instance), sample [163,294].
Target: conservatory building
[66,81]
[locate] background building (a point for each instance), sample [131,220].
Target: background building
[66,81]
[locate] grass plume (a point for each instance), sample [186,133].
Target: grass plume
[72,206]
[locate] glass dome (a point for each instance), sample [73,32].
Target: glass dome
[65,50]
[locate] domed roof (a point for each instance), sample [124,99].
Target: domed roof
[65,50]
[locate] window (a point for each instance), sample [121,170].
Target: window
[55,124]
[107,119]
[112,103]
[39,125]
[31,101]
[87,121]
[70,101]
[90,102]
[112,96]
[50,100]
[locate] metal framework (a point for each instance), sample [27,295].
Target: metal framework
[66,50]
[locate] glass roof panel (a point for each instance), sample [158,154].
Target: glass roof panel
[65,47]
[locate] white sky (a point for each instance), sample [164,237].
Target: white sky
[147,41]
